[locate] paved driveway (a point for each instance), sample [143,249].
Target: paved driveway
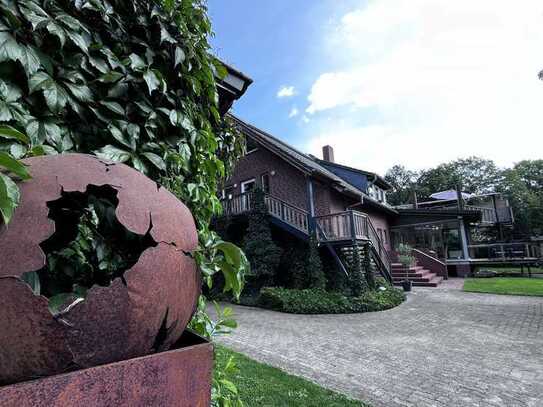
[442,347]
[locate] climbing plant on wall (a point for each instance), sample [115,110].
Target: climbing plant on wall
[129,81]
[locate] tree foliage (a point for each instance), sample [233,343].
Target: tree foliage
[402,181]
[475,174]
[263,254]
[522,184]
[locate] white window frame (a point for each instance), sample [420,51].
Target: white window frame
[244,183]
[230,195]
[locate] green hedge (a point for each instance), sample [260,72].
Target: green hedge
[316,301]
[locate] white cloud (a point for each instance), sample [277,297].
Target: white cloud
[293,112]
[434,80]
[286,92]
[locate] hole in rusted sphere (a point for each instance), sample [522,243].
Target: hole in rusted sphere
[89,247]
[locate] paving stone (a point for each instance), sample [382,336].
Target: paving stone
[442,347]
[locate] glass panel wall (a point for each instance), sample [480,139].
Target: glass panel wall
[442,238]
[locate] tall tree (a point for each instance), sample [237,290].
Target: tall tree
[523,186]
[403,182]
[476,175]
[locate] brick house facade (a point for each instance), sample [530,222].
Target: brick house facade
[284,173]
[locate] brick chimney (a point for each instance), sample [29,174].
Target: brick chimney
[328,154]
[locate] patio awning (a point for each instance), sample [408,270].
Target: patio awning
[449,195]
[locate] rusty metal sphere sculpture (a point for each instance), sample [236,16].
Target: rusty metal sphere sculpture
[155,297]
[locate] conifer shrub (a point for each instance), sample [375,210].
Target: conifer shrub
[261,251]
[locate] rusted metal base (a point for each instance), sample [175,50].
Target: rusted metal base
[179,377]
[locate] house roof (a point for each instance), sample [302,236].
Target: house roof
[377,179]
[232,87]
[305,162]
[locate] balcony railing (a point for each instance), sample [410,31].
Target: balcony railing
[505,251]
[343,226]
[288,213]
[353,226]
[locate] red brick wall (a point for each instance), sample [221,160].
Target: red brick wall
[287,184]
[380,221]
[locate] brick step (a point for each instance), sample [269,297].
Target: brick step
[415,279]
[414,268]
[421,273]
[434,282]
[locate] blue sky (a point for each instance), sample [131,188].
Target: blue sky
[415,82]
[277,44]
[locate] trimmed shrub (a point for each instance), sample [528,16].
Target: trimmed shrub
[315,274]
[261,251]
[318,301]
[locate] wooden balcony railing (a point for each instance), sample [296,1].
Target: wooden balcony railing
[288,213]
[354,226]
[343,226]
[294,216]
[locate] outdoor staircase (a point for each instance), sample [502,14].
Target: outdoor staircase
[419,276]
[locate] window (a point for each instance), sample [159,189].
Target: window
[228,192]
[250,146]
[248,186]
[265,182]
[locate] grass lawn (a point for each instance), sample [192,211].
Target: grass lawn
[503,285]
[263,385]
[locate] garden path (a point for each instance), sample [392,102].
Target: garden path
[442,347]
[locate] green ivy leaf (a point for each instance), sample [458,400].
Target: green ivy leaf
[57,30]
[156,160]
[114,107]
[136,62]
[9,197]
[111,77]
[42,150]
[165,35]
[14,134]
[55,95]
[14,166]
[80,41]
[179,56]
[151,80]
[34,14]
[80,92]
[10,50]
[30,60]
[40,131]
[119,136]
[113,153]
[17,151]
